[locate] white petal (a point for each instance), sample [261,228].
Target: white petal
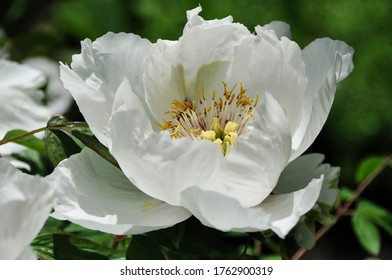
[165,83]
[96,108]
[302,170]
[195,20]
[58,99]
[158,165]
[27,254]
[299,173]
[97,195]
[20,101]
[263,63]
[122,56]
[206,44]
[25,204]
[19,110]
[18,164]
[164,79]
[218,211]
[126,99]
[199,61]
[286,209]
[279,27]
[19,76]
[208,79]
[252,168]
[279,213]
[98,72]
[327,63]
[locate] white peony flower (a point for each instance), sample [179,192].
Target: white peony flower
[22,103]
[20,100]
[25,204]
[58,100]
[201,126]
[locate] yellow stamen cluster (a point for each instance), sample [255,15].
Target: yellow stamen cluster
[226,138]
[218,119]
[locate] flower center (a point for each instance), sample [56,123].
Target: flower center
[220,120]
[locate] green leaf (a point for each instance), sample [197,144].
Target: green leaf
[57,120]
[66,247]
[371,209]
[169,237]
[304,234]
[144,248]
[29,141]
[272,257]
[59,146]
[201,242]
[275,244]
[52,225]
[34,160]
[366,167]
[43,247]
[81,132]
[329,190]
[385,224]
[367,233]
[70,145]
[377,214]
[54,148]
[322,214]
[92,247]
[98,237]
[345,194]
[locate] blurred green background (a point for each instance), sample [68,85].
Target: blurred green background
[360,123]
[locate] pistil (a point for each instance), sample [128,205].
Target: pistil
[218,119]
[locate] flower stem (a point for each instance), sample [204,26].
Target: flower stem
[11,139]
[117,239]
[276,251]
[344,208]
[245,248]
[257,245]
[20,136]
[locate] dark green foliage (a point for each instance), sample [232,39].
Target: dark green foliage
[144,248]
[64,138]
[64,241]
[29,141]
[367,233]
[368,218]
